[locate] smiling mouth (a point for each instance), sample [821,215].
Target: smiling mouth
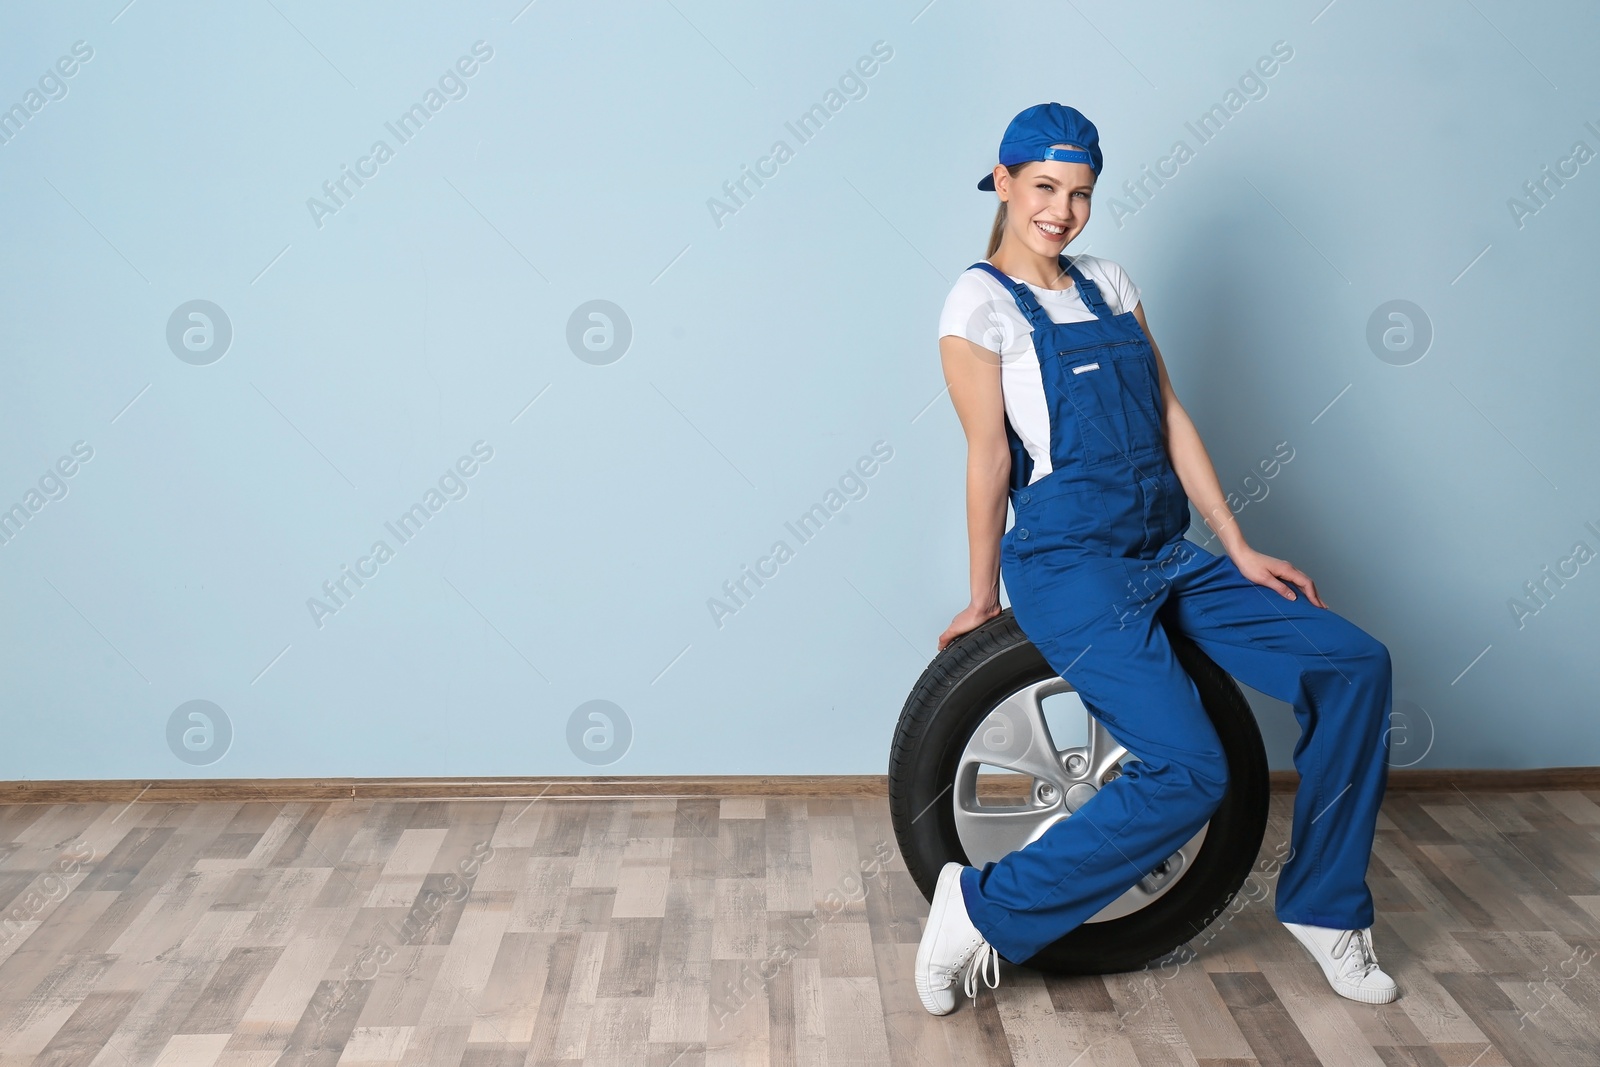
[1051,231]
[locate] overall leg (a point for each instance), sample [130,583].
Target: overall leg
[1131,682]
[1339,680]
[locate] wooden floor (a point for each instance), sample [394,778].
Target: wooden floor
[668,932]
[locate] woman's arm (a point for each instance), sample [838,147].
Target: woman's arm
[973,374]
[1193,466]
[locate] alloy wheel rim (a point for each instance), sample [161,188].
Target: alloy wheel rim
[1015,737]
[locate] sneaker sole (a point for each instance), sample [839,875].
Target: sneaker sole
[1368,996]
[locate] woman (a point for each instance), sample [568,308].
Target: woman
[1068,412]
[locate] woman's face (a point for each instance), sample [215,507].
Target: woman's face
[1047,203]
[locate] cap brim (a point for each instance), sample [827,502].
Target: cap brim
[987,182]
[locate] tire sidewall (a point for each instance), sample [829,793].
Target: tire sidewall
[958,691]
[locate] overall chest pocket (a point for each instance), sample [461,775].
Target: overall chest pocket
[1111,394]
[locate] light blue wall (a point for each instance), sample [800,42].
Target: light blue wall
[770,351]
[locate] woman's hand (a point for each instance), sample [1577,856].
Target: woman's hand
[1273,572]
[971,617]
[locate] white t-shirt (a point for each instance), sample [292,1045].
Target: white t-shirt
[983,311]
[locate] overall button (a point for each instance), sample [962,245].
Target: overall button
[1025,498]
[1022,534]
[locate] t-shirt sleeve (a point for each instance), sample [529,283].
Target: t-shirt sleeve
[1127,292]
[959,316]
[974,311]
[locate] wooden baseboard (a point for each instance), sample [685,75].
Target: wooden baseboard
[1482,780]
[233,790]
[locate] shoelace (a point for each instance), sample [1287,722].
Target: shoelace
[978,965]
[1365,956]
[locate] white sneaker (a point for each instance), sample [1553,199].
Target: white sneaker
[1348,960]
[949,943]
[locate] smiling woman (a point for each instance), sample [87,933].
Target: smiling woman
[1075,425]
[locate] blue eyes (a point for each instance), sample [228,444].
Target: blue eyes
[1047,187]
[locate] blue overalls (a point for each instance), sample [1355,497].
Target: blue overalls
[1095,561]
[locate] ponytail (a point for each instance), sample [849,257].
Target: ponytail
[999,228]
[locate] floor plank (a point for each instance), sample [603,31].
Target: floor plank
[688,932]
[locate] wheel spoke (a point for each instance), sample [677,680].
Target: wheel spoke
[1104,751]
[1015,737]
[991,832]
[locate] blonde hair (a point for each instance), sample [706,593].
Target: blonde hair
[999,228]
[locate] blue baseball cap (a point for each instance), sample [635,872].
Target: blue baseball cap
[1033,131]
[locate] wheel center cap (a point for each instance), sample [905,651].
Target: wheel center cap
[1079,795]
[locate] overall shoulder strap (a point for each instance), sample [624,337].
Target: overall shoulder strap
[1088,291]
[1029,305]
